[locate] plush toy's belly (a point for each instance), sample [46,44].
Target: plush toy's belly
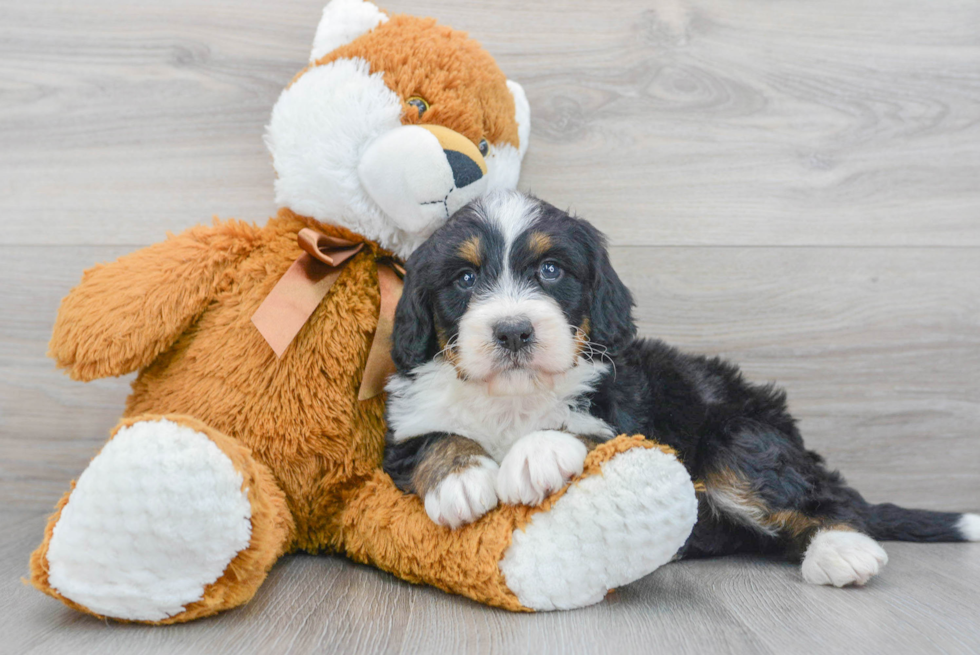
[300,414]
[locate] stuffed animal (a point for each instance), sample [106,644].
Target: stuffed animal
[256,427]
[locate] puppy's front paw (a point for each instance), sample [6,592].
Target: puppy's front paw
[840,557]
[463,497]
[538,465]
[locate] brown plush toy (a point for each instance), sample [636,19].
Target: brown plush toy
[256,425]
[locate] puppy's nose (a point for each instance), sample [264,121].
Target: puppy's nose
[514,335]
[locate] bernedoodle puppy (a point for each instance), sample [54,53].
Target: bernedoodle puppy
[516,354]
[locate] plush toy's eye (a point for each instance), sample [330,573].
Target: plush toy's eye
[466,279]
[484,147]
[418,103]
[549,271]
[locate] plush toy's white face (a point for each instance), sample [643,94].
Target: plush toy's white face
[397,124]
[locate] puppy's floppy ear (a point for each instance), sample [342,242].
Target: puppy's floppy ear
[414,337]
[611,312]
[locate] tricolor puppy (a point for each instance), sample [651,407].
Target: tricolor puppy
[514,342]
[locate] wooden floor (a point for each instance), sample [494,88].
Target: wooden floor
[794,185]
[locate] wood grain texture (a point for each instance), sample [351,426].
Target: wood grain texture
[792,185]
[923,604]
[678,122]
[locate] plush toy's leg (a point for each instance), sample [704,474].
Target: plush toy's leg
[171,521]
[630,512]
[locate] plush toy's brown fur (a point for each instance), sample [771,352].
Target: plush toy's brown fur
[465,89]
[308,450]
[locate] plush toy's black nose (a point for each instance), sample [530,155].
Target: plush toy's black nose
[465,170]
[515,335]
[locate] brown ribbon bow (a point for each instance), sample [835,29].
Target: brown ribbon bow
[299,292]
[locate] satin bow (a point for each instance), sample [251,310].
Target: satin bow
[299,292]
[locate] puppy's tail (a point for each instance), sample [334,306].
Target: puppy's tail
[887,522]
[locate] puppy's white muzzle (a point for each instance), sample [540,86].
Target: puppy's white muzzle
[421,174]
[481,357]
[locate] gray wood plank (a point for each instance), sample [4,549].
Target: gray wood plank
[923,602]
[681,122]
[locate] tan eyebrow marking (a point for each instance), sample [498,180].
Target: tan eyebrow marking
[470,250]
[539,243]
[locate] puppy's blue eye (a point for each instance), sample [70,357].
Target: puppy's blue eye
[466,279]
[549,271]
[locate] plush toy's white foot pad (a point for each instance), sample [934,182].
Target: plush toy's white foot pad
[841,557]
[606,531]
[153,520]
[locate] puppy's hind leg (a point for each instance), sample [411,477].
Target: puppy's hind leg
[829,536]
[766,481]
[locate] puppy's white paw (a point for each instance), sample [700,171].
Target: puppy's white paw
[539,464]
[464,497]
[840,558]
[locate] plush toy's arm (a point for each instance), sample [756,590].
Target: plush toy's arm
[124,314]
[629,512]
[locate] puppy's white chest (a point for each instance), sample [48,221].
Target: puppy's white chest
[509,419]
[436,400]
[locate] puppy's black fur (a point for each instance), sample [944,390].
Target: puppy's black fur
[719,423]
[734,436]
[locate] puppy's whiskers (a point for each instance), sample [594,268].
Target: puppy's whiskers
[449,351]
[591,349]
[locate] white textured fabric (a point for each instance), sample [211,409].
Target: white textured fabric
[153,520]
[969,527]
[606,531]
[342,22]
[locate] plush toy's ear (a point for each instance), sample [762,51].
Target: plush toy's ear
[611,316]
[342,22]
[522,112]
[414,337]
